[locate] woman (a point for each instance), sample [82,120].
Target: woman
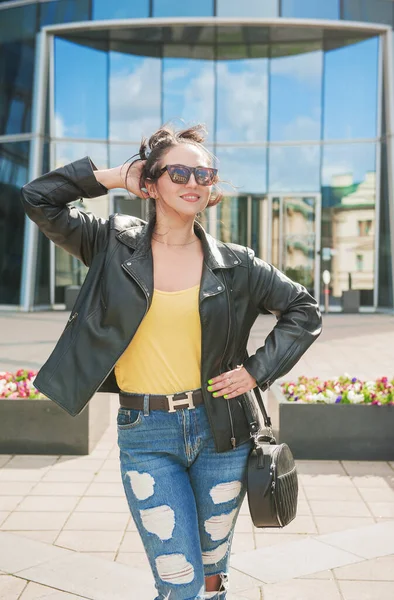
[163,318]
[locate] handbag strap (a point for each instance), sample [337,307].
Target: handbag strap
[254,426]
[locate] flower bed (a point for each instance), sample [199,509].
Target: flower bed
[341,390]
[19,385]
[31,423]
[340,419]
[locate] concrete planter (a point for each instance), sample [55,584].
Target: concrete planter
[332,431]
[42,427]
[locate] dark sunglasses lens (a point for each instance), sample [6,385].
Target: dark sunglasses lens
[179,174]
[205,176]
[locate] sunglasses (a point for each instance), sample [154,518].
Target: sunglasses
[181,174]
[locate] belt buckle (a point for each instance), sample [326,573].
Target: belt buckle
[172,404]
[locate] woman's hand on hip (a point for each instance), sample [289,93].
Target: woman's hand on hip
[232,383]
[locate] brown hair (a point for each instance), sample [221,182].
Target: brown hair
[159,143]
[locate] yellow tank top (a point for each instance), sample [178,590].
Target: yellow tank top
[164,356]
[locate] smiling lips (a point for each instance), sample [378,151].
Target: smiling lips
[190,197]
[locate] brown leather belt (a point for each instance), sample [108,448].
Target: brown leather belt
[168,402]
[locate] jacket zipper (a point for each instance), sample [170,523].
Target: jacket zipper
[146,310]
[71,319]
[266,386]
[232,439]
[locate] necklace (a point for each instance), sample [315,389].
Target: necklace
[187,244]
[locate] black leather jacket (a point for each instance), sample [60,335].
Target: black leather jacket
[117,292]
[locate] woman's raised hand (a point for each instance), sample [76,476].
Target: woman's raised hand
[131,175]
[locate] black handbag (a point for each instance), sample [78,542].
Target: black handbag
[272,480]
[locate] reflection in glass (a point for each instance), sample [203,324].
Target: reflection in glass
[247,8]
[295,100]
[64,11]
[242,170]
[120,9]
[16,85]
[375,11]
[180,8]
[299,240]
[311,9]
[294,168]
[134,96]
[232,220]
[69,270]
[13,175]
[349,193]
[350,91]
[188,92]
[17,24]
[242,100]
[81,84]
[275,231]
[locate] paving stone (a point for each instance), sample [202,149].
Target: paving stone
[345,508]
[90,541]
[105,489]
[17,552]
[109,476]
[373,481]
[48,503]
[336,494]
[305,589]
[366,467]
[11,587]
[92,577]
[242,542]
[48,537]
[4,514]
[139,560]
[4,459]
[32,461]
[269,539]
[331,524]
[20,475]
[325,480]
[320,467]
[132,542]
[59,489]
[367,542]
[68,476]
[379,494]
[35,520]
[103,504]
[97,521]
[375,569]
[9,502]
[382,509]
[16,488]
[36,591]
[366,590]
[294,559]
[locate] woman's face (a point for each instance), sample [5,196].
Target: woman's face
[189,198]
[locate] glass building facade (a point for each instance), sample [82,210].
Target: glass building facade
[297,97]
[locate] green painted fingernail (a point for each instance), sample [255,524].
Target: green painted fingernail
[210,387]
[225,396]
[215,394]
[209,381]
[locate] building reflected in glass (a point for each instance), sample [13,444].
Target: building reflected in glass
[296,110]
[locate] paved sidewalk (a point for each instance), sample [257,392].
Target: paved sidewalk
[66,531]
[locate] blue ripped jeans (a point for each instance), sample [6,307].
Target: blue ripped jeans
[183,495]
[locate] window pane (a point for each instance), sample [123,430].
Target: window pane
[295,102]
[348,193]
[65,11]
[133,110]
[294,169]
[16,86]
[350,91]
[18,23]
[66,152]
[120,9]
[311,9]
[13,175]
[374,11]
[242,100]
[180,8]
[81,83]
[247,8]
[242,170]
[188,92]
